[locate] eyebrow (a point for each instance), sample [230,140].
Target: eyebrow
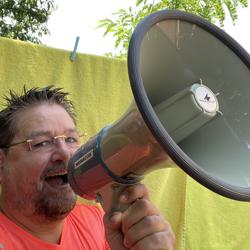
[48,133]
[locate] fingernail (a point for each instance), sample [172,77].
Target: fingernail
[124,197]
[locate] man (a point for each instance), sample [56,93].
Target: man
[38,135]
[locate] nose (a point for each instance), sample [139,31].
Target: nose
[61,152]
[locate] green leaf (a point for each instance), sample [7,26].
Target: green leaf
[25,19]
[124,21]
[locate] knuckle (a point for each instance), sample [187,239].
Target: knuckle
[164,239]
[157,222]
[160,240]
[144,204]
[152,221]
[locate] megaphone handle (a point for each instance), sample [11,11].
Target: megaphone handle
[109,197]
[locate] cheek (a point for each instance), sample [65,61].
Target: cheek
[26,168]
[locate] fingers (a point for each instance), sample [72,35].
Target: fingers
[134,192]
[113,233]
[144,227]
[140,226]
[113,220]
[143,221]
[162,240]
[136,212]
[148,225]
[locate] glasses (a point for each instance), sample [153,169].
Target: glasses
[46,143]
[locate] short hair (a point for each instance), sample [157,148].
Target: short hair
[15,103]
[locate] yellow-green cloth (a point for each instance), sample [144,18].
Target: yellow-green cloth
[100,89]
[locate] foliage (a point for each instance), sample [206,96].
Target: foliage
[123,22]
[25,19]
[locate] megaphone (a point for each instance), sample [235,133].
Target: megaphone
[191,109]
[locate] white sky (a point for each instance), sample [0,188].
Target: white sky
[80,18]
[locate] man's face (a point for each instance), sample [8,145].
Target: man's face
[35,182]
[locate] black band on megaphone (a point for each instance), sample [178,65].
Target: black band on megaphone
[127,180]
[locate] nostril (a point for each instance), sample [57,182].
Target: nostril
[61,154]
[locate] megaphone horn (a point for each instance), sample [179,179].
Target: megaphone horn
[190,82]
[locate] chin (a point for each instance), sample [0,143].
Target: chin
[55,205]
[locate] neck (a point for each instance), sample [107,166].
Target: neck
[42,228]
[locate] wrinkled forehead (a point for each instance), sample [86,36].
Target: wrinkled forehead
[52,118]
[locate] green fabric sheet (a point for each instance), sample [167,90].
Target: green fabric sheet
[100,89]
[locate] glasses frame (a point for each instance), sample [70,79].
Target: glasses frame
[28,141]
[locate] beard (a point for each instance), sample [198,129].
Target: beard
[52,205]
[38,200]
[55,198]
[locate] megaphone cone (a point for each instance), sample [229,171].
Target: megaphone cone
[190,82]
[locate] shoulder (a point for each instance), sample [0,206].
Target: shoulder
[10,234]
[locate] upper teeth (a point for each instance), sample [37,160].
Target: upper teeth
[56,174]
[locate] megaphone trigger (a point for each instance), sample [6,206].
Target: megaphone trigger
[109,197]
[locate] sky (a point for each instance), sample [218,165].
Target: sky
[80,18]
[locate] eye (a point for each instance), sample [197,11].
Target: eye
[40,144]
[71,140]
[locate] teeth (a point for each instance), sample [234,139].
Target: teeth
[55,174]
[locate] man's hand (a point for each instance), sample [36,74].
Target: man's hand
[141,226]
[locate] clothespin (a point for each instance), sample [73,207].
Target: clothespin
[73,53]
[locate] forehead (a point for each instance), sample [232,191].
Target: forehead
[44,117]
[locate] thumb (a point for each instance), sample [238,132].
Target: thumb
[114,236]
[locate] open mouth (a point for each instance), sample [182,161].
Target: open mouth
[57,180]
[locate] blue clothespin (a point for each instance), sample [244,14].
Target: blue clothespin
[73,54]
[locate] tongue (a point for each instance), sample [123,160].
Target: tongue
[55,181]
